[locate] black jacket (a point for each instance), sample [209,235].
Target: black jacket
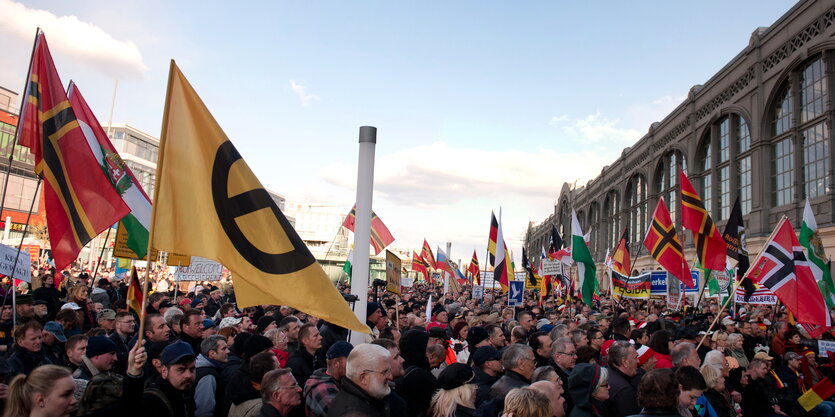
[569,402]
[484,382]
[757,399]
[657,412]
[417,384]
[192,341]
[121,364]
[302,363]
[176,403]
[580,387]
[719,403]
[22,361]
[623,397]
[353,399]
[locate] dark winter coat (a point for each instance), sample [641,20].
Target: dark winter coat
[417,384]
[302,363]
[623,397]
[584,378]
[353,399]
[657,412]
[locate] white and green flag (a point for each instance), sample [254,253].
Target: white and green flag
[138,221]
[811,241]
[347,267]
[582,257]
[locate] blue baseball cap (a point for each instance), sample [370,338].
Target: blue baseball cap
[175,352]
[56,329]
[208,324]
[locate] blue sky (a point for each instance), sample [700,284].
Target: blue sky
[478,104]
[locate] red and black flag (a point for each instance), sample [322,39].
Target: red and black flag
[80,200]
[620,260]
[419,265]
[526,264]
[380,234]
[737,248]
[662,243]
[474,270]
[426,254]
[710,247]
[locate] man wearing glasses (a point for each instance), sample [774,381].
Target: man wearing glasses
[563,359]
[123,330]
[365,385]
[280,393]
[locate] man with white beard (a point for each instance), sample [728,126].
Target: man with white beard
[365,386]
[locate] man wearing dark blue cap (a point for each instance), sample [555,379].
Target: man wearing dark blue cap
[100,357]
[487,366]
[324,384]
[170,395]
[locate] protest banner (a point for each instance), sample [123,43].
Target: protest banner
[393,263]
[478,292]
[199,269]
[407,282]
[7,262]
[761,296]
[637,287]
[551,267]
[825,346]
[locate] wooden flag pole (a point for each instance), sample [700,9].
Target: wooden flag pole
[718,315]
[162,142]
[14,266]
[101,254]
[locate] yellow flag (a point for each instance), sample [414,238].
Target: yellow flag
[207,202]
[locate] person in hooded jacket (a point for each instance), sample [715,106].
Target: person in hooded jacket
[588,386]
[417,384]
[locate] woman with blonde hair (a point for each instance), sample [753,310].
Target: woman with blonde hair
[719,340]
[716,393]
[456,396]
[47,391]
[526,402]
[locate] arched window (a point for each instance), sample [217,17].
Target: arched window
[636,202]
[666,180]
[720,150]
[611,215]
[807,129]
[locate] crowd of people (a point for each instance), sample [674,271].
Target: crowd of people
[72,349]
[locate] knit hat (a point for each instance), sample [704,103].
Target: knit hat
[604,350]
[371,308]
[339,349]
[644,354]
[196,301]
[239,342]
[475,336]
[455,375]
[263,322]
[100,345]
[255,345]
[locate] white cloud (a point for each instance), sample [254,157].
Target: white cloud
[81,41]
[595,128]
[304,98]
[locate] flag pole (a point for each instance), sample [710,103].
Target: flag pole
[163,140]
[14,266]
[362,228]
[101,254]
[718,315]
[18,130]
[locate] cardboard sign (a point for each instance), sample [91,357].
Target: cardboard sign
[825,346]
[393,263]
[200,269]
[121,249]
[21,268]
[177,259]
[478,292]
[551,267]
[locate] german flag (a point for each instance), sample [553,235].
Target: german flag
[820,392]
[620,260]
[710,246]
[419,265]
[80,199]
[662,243]
[473,269]
[491,243]
[380,234]
[426,254]
[135,297]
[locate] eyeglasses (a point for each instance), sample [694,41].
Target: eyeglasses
[567,353]
[386,372]
[292,387]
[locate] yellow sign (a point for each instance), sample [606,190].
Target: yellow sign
[393,271]
[121,250]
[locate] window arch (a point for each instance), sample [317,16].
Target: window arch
[611,215]
[636,205]
[722,153]
[806,129]
[666,180]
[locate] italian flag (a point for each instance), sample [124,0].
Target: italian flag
[138,221]
[582,257]
[811,241]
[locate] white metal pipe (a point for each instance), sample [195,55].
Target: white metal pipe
[362,229]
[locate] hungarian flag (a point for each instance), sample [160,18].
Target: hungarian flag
[380,235]
[80,200]
[209,203]
[582,257]
[474,269]
[347,268]
[783,268]
[502,264]
[526,265]
[820,392]
[419,265]
[620,260]
[494,235]
[710,247]
[134,297]
[426,254]
[138,221]
[662,243]
[737,248]
[811,242]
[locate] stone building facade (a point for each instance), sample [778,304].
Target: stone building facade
[759,130]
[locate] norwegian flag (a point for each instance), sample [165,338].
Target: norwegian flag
[783,268]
